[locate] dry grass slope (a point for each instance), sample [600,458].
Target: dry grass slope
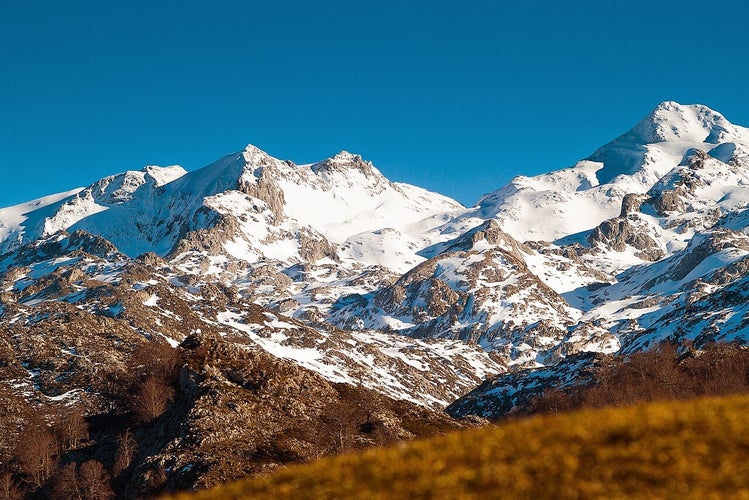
[687,449]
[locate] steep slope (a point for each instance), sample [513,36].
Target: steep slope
[79,279]
[674,260]
[336,242]
[111,207]
[15,219]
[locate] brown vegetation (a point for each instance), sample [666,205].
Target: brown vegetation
[9,487]
[37,454]
[63,456]
[212,411]
[126,448]
[71,427]
[89,481]
[196,416]
[664,373]
[151,399]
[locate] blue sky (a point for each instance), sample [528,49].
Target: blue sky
[457,97]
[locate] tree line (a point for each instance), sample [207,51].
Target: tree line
[670,371]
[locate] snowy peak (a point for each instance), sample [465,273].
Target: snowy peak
[152,209]
[341,161]
[256,157]
[345,156]
[121,187]
[671,121]
[660,140]
[564,203]
[164,175]
[348,167]
[646,239]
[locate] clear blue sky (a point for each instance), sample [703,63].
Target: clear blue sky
[457,97]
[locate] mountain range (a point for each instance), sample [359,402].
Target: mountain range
[332,268]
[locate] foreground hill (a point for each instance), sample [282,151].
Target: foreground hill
[694,449]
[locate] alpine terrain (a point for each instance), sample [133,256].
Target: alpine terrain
[222,322]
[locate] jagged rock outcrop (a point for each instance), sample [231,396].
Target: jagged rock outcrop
[242,412]
[621,232]
[628,230]
[485,294]
[264,188]
[631,204]
[670,202]
[501,395]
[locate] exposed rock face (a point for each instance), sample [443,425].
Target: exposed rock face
[236,409]
[313,247]
[716,242]
[478,290]
[503,394]
[343,161]
[242,412]
[264,188]
[631,204]
[621,232]
[149,297]
[670,202]
[210,240]
[74,334]
[488,233]
[628,230]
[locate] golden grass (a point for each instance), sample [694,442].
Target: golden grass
[687,449]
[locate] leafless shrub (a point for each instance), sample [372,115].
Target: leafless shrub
[89,481]
[65,483]
[94,481]
[157,359]
[151,399]
[71,427]
[36,454]
[9,487]
[126,448]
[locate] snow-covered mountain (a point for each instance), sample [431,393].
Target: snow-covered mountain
[566,202]
[371,282]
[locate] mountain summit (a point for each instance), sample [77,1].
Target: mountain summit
[671,121]
[667,133]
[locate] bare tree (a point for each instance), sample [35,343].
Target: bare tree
[94,481]
[152,399]
[9,488]
[156,358]
[71,427]
[126,448]
[341,420]
[89,481]
[36,454]
[113,385]
[65,483]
